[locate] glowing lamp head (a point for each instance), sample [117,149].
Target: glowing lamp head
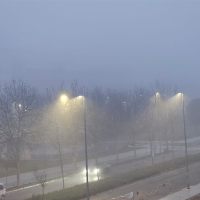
[63,98]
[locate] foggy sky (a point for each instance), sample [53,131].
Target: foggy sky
[101,43]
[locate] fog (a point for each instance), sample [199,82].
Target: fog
[112,43]
[91,90]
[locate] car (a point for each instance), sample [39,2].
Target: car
[103,168]
[2,191]
[91,171]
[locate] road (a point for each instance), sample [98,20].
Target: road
[80,177]
[54,172]
[26,178]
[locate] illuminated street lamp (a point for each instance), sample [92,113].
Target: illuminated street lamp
[157,94]
[86,155]
[152,134]
[63,98]
[186,153]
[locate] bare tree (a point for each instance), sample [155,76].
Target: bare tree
[75,121]
[55,138]
[6,166]
[115,111]
[19,117]
[193,113]
[53,121]
[41,177]
[138,104]
[163,115]
[96,116]
[165,110]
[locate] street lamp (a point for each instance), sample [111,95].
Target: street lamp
[86,155]
[63,98]
[152,134]
[186,153]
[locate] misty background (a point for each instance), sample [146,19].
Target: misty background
[131,74]
[116,44]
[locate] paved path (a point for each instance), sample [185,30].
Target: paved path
[184,193]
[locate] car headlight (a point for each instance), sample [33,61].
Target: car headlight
[84,171]
[96,171]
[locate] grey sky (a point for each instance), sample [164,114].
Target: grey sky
[104,43]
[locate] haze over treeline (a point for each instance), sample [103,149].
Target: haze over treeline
[101,43]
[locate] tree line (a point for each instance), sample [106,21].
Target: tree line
[28,117]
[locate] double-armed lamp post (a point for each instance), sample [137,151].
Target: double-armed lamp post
[185,137]
[86,155]
[64,98]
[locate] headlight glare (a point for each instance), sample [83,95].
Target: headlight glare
[96,171]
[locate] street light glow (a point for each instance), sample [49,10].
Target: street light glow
[63,98]
[157,94]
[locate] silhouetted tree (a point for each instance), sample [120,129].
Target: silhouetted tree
[19,120]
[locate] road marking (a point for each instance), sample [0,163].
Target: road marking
[33,185]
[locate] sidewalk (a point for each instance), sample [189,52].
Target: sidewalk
[184,193]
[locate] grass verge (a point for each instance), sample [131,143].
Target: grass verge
[79,191]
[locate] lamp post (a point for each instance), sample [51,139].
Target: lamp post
[186,153]
[86,155]
[64,98]
[152,131]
